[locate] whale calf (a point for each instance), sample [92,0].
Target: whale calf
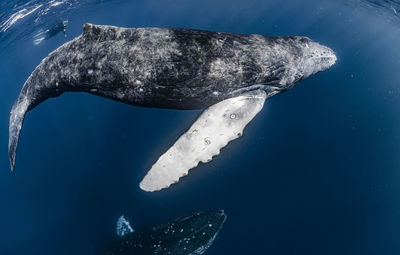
[191,234]
[229,75]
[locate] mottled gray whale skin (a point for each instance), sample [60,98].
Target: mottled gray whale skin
[188,235]
[168,68]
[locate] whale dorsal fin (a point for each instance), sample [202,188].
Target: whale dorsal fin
[96,32]
[123,226]
[101,32]
[213,130]
[90,29]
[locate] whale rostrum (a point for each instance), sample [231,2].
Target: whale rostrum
[233,74]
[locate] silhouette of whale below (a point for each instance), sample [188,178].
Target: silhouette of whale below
[191,234]
[230,74]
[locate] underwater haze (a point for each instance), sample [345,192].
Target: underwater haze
[316,172]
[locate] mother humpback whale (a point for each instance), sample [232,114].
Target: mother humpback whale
[230,74]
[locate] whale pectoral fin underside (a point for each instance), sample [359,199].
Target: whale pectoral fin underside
[213,130]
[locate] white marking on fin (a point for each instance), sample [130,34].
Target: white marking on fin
[123,226]
[213,130]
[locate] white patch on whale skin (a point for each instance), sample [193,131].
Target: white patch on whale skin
[213,130]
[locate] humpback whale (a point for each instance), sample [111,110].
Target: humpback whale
[229,75]
[191,234]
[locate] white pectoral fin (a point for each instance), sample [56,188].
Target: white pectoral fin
[213,130]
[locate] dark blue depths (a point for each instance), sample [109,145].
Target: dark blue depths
[317,171]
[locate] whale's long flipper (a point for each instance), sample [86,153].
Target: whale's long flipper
[214,129]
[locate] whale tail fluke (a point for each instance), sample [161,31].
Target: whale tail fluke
[17,117]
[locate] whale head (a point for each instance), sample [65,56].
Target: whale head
[310,58]
[314,58]
[300,57]
[282,62]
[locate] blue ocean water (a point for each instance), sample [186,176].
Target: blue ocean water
[316,172]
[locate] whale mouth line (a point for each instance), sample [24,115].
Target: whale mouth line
[326,57]
[269,89]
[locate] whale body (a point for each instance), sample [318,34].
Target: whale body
[191,234]
[176,69]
